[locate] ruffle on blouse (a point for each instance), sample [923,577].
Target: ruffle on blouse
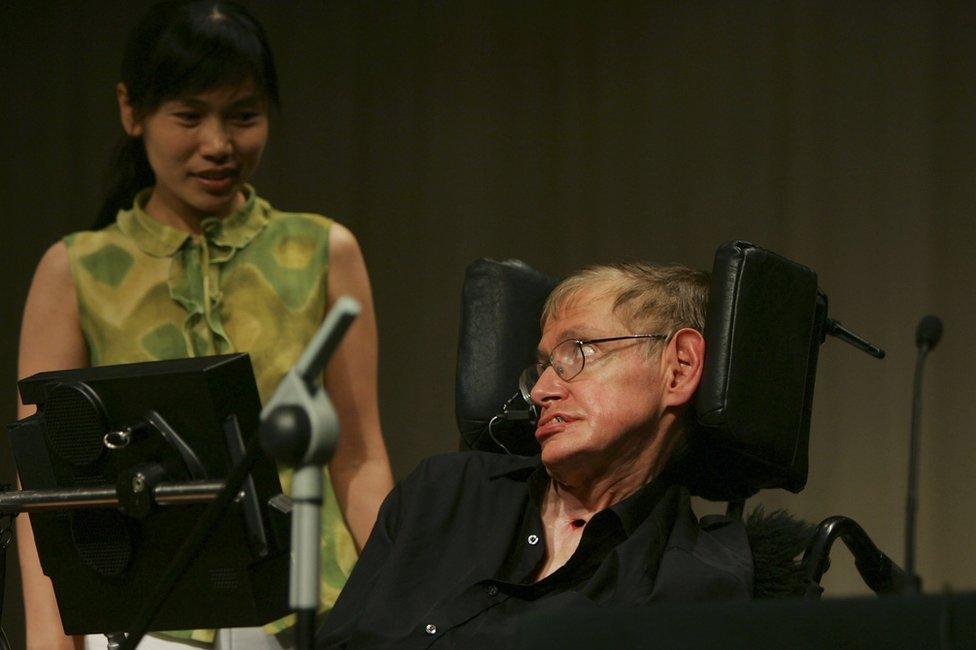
[194,272]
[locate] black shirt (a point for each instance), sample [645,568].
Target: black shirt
[451,558]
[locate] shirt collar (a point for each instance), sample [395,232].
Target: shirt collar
[159,240]
[631,511]
[519,467]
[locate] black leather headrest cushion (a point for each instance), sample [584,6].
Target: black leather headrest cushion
[500,308]
[763,330]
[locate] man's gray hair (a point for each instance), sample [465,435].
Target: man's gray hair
[651,297]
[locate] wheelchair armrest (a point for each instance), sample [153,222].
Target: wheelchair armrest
[877,570]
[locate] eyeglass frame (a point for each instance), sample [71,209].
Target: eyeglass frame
[527,390]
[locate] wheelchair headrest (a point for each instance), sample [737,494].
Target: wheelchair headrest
[763,329]
[501,303]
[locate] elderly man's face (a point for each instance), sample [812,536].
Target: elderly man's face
[603,420]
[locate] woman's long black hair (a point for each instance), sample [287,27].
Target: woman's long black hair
[179,48]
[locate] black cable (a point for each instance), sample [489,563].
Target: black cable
[198,537]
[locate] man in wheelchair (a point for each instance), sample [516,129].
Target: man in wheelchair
[471,541]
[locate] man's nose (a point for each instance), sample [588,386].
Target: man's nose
[548,387]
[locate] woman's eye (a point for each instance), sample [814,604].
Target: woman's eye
[245,117]
[187,116]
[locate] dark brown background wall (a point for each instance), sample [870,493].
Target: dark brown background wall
[839,134]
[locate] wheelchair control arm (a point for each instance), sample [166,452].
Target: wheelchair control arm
[879,572]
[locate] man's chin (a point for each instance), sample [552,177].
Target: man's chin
[564,465]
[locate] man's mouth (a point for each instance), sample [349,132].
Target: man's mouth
[554,420]
[549,426]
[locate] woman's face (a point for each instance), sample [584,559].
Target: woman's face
[202,148]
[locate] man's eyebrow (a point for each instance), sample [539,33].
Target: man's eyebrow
[566,335]
[573,334]
[583,334]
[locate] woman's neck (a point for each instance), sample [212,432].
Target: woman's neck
[182,216]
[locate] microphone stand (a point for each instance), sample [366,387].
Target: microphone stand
[6,535]
[911,499]
[299,426]
[927,335]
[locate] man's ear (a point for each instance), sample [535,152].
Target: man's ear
[132,126]
[684,359]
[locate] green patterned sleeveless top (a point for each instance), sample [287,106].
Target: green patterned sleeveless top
[255,282]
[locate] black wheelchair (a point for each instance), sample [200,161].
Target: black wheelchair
[765,322]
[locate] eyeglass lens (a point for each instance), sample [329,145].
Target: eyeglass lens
[527,380]
[566,359]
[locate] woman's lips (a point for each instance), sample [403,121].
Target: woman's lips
[217,181]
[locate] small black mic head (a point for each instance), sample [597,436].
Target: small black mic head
[929,332]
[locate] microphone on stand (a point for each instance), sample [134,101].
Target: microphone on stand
[927,336]
[929,332]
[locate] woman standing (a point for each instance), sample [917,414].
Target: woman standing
[187,260]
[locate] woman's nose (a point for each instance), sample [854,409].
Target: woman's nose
[215,141]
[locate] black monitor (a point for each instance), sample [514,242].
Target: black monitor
[186,419]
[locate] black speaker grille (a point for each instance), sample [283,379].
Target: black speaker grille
[102,540]
[75,424]
[227,578]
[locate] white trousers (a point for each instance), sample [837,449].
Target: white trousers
[238,638]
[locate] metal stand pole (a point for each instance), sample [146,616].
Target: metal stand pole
[306,526]
[6,535]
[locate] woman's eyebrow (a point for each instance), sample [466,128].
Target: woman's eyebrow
[250,100]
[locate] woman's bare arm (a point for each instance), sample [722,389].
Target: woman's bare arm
[360,468]
[50,339]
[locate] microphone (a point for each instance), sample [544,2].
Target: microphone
[927,336]
[929,332]
[518,408]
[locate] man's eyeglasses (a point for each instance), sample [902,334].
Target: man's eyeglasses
[568,359]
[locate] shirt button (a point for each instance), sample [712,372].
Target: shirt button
[431,628]
[533,539]
[492,590]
